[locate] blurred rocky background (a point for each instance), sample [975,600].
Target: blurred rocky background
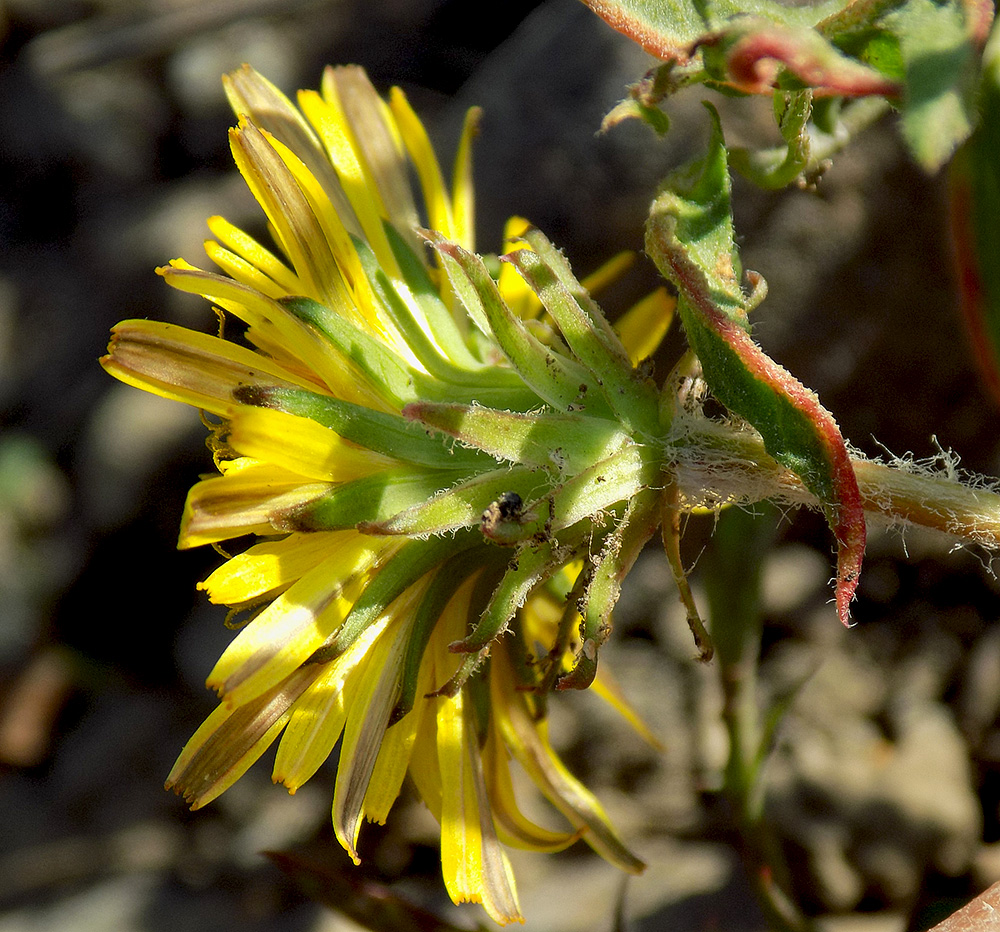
[884,784]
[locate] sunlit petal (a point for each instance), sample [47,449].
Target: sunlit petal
[269,568]
[318,717]
[300,445]
[297,623]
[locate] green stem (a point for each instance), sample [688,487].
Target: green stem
[733,568]
[808,157]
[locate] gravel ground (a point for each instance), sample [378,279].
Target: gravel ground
[884,784]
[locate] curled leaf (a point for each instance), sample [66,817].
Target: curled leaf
[690,237]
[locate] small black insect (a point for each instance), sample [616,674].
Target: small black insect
[508,507]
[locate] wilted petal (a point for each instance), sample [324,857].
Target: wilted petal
[243,501]
[529,743]
[195,368]
[513,827]
[462,189]
[252,94]
[230,740]
[375,141]
[319,715]
[298,228]
[371,705]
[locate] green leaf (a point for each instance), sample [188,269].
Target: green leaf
[775,168]
[975,209]
[369,500]
[460,506]
[690,238]
[936,44]
[749,54]
[391,377]
[558,380]
[442,588]
[587,332]
[533,564]
[413,328]
[443,326]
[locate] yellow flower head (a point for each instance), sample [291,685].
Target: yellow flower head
[433,456]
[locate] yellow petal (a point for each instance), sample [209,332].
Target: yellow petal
[473,862]
[528,741]
[238,268]
[609,272]
[438,665]
[243,502]
[266,569]
[370,703]
[327,115]
[300,445]
[229,741]
[514,290]
[642,328]
[246,247]
[428,170]
[298,622]
[319,716]
[462,188]
[606,686]
[513,827]
[424,768]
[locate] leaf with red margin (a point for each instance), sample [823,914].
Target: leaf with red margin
[749,54]
[975,206]
[669,29]
[689,236]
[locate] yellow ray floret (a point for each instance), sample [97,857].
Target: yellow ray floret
[318,718]
[247,499]
[298,622]
[300,445]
